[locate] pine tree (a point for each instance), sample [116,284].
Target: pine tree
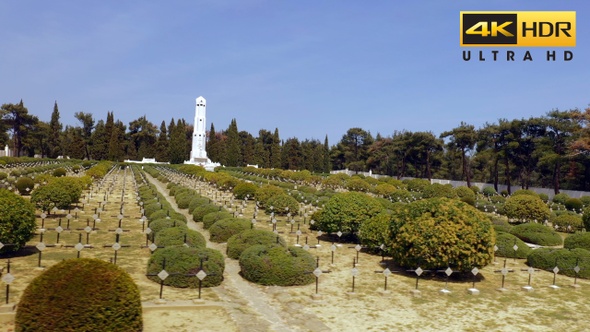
[233,152]
[55,131]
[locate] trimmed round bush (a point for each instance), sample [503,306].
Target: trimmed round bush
[151,208]
[574,204]
[160,224]
[466,194]
[245,189]
[402,195]
[82,294]
[185,260]
[17,220]
[567,222]
[345,212]
[183,201]
[3,176]
[497,199]
[438,232]
[266,192]
[175,236]
[526,207]
[282,204]
[160,214]
[586,218]
[25,185]
[439,190]
[210,218]
[584,199]
[560,198]
[202,210]
[544,197]
[500,224]
[416,184]
[566,259]
[277,266]
[537,234]
[506,242]
[577,240]
[59,172]
[223,229]
[489,191]
[357,184]
[244,240]
[196,202]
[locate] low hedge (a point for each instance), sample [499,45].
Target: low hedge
[175,236]
[537,234]
[184,260]
[80,294]
[578,240]
[277,265]
[506,241]
[223,229]
[210,218]
[566,259]
[244,240]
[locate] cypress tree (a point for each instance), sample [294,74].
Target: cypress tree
[55,131]
[275,150]
[233,150]
[162,144]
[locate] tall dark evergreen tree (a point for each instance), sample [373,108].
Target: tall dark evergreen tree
[55,131]
[327,167]
[233,148]
[87,126]
[162,145]
[247,143]
[275,150]
[16,117]
[177,143]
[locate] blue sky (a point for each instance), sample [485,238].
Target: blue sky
[310,68]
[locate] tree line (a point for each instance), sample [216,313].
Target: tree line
[545,151]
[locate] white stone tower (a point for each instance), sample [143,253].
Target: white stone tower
[198,151]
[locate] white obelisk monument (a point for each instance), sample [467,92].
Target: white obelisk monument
[198,151]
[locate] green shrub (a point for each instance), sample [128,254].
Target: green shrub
[544,197]
[577,240]
[196,202]
[374,232]
[59,172]
[160,214]
[384,189]
[402,195]
[506,242]
[160,224]
[25,185]
[504,193]
[202,210]
[183,201]
[17,220]
[438,190]
[561,198]
[497,199]
[345,212]
[416,184]
[93,296]
[277,265]
[282,204]
[3,176]
[357,184]
[436,232]
[475,189]
[574,204]
[489,191]
[76,169]
[175,236]
[526,208]
[500,224]
[546,259]
[245,189]
[567,222]
[537,234]
[586,218]
[148,209]
[210,218]
[524,192]
[223,229]
[244,240]
[466,194]
[181,261]
[585,199]
[266,192]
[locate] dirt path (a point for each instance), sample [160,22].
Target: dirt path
[250,307]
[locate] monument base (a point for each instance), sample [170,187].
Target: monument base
[205,163]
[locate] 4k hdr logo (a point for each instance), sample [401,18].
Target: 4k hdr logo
[523,28]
